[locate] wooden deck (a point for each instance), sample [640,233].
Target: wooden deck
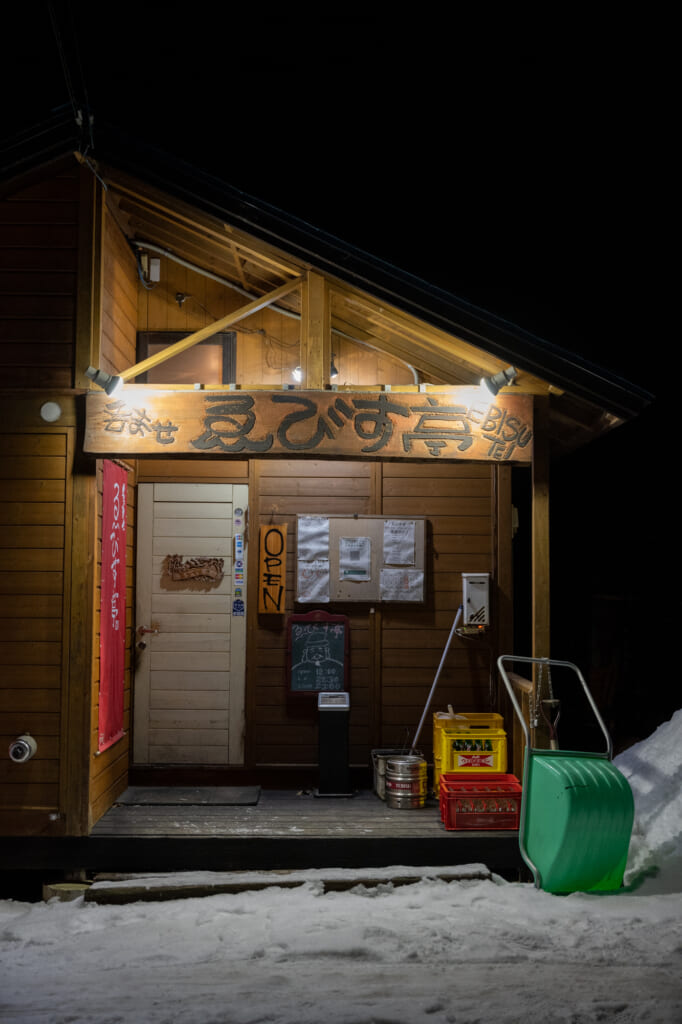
[284,830]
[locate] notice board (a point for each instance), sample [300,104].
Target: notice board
[318,646]
[360,558]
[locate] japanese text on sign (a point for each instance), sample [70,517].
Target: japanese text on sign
[452,425]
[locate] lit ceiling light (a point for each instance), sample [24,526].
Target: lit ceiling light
[499,380]
[297,374]
[333,372]
[107,381]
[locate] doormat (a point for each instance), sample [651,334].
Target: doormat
[190,795]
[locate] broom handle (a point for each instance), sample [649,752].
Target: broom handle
[435,681]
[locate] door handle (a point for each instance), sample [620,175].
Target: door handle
[142,630]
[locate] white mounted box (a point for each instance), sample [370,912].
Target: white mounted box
[476,598]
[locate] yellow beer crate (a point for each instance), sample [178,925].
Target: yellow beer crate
[468,743]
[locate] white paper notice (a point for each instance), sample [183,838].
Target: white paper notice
[355,555]
[402,585]
[399,542]
[313,581]
[313,538]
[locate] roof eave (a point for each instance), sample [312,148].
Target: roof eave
[332,256]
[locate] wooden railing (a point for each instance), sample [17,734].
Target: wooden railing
[523,691]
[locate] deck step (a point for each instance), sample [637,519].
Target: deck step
[123,888]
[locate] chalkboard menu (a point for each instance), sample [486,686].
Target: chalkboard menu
[317,653]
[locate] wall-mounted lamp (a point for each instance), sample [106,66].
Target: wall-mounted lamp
[50,412]
[297,374]
[333,372]
[106,381]
[499,380]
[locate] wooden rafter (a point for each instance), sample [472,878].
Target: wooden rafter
[255,266]
[150,222]
[425,346]
[206,332]
[179,214]
[238,263]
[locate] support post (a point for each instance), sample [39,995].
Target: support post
[316,350]
[540,531]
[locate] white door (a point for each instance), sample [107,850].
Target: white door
[190,665]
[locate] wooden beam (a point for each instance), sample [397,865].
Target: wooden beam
[316,349]
[503,611]
[89,281]
[140,203]
[431,350]
[503,558]
[79,638]
[540,530]
[209,331]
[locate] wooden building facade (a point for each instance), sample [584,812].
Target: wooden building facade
[109,264]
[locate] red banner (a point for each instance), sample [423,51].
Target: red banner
[113,607]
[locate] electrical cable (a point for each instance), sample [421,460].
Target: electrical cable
[81,111]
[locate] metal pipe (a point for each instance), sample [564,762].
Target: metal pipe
[437,676]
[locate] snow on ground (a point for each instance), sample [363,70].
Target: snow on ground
[474,950]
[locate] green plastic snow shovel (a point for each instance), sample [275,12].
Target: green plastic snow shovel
[577,809]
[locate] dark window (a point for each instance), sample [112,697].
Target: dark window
[213,361]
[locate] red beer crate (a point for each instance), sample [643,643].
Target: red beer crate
[491,801]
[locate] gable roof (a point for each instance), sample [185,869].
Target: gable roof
[253,245]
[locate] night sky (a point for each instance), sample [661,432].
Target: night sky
[523,167]
[522,172]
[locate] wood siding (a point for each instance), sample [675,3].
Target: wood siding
[283,730]
[119,299]
[458,501]
[34,514]
[395,650]
[50,543]
[38,267]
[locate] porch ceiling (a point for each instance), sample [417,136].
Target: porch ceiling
[254,267]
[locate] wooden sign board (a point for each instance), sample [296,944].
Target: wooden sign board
[318,646]
[457,424]
[272,568]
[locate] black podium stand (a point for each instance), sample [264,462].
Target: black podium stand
[334,712]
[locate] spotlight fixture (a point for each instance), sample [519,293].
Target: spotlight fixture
[333,372]
[297,374]
[499,380]
[107,381]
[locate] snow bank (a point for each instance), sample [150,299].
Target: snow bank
[653,768]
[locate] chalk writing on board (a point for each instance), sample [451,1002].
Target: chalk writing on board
[318,655]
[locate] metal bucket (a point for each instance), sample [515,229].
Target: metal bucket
[405,781]
[379,758]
